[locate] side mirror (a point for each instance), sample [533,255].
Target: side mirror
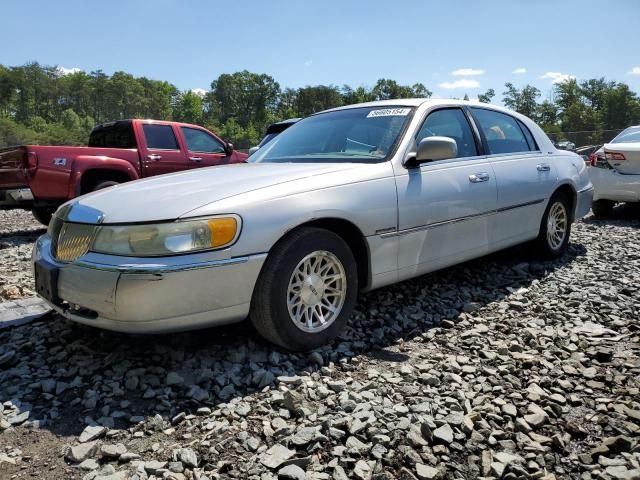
[253,150]
[229,148]
[433,148]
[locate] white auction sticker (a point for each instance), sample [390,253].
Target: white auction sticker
[389,112]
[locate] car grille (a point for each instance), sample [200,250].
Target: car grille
[72,241]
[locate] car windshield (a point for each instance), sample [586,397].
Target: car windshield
[629,135]
[355,135]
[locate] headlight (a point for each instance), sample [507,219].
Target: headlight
[172,238]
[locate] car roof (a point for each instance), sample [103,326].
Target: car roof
[416,102]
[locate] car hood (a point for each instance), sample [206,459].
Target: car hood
[167,197]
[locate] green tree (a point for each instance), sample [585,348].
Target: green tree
[188,108]
[522,101]
[487,96]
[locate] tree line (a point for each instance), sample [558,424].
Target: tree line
[43,104]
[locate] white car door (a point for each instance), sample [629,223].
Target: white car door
[525,176]
[445,207]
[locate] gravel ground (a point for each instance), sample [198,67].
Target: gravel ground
[504,367]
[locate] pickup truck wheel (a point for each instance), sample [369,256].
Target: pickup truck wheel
[105,184]
[306,291]
[602,208]
[555,228]
[43,214]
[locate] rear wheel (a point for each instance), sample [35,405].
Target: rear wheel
[555,230]
[602,208]
[306,291]
[43,214]
[104,184]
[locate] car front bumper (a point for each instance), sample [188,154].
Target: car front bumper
[152,295]
[610,185]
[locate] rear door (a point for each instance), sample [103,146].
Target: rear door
[160,150]
[526,177]
[203,149]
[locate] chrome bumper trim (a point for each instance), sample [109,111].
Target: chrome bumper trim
[21,194]
[585,189]
[163,268]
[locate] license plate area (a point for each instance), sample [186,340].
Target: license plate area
[46,277]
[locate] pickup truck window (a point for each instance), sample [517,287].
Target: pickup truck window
[160,137]
[202,142]
[115,135]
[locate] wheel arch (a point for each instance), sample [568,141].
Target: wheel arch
[92,176]
[569,191]
[352,236]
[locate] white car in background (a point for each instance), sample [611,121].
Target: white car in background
[617,179]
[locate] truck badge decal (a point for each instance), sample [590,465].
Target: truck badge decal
[59,162]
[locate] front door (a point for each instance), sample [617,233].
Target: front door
[445,207]
[204,150]
[161,151]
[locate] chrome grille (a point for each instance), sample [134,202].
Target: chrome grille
[73,241]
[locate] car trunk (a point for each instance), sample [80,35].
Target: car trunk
[13,167]
[624,157]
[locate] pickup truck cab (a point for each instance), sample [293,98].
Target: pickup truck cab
[41,178]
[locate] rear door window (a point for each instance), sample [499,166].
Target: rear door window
[160,137]
[502,132]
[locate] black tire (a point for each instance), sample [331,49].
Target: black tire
[104,184]
[602,208]
[43,214]
[543,244]
[269,311]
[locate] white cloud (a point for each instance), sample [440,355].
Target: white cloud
[308,63]
[201,92]
[520,70]
[68,71]
[462,83]
[468,72]
[635,71]
[557,77]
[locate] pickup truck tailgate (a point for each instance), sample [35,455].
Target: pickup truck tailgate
[13,167]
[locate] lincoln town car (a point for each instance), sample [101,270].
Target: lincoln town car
[346,200]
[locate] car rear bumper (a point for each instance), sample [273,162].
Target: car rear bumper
[142,297]
[611,185]
[584,198]
[16,197]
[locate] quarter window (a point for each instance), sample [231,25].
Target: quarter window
[199,141]
[502,132]
[452,123]
[160,137]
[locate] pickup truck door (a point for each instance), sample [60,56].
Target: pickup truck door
[525,176]
[445,207]
[203,148]
[160,150]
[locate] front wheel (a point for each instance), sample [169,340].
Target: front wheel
[555,229]
[43,215]
[306,291]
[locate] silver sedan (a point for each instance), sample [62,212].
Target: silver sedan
[350,199]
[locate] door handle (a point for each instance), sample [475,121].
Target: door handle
[154,156]
[543,167]
[195,159]
[479,177]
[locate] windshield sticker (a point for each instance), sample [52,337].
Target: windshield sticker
[389,112]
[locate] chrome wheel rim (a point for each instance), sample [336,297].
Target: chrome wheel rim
[556,225]
[317,291]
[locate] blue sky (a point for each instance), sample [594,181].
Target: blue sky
[453,47]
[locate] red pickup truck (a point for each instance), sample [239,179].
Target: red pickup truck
[41,178]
